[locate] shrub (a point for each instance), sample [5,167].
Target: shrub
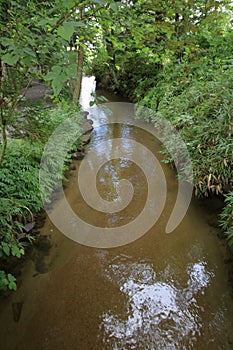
[197,98]
[19,177]
[199,104]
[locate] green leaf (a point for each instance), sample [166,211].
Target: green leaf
[11,282]
[79,24]
[66,30]
[56,71]
[6,41]
[71,70]
[29,52]
[102,99]
[10,59]
[28,61]
[57,84]
[72,56]
[11,278]
[16,251]
[42,22]
[115,6]
[68,4]
[100,2]
[3,280]
[6,248]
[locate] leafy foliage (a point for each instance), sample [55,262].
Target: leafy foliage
[198,101]
[226,221]
[19,177]
[7,281]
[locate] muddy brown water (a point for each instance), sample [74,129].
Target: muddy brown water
[163,291]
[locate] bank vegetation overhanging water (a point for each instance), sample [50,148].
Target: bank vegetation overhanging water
[174,58]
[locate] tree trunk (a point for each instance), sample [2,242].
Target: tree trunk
[80,60]
[78,80]
[3,139]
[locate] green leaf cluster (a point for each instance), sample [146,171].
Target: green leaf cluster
[7,281]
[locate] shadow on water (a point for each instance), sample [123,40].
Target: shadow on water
[163,291]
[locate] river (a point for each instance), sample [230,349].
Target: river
[159,292]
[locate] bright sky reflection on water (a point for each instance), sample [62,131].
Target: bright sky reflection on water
[159,315]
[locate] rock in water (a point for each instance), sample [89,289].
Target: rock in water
[29,226]
[86,139]
[17,310]
[90,121]
[72,166]
[84,114]
[78,155]
[87,127]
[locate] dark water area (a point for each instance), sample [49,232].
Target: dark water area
[162,291]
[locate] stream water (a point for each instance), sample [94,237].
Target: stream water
[162,291]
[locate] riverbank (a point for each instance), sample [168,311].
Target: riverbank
[34,121]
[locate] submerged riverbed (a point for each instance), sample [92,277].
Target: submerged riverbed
[162,291]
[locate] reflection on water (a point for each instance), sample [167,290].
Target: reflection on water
[157,314]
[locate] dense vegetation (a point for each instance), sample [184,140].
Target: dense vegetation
[175,57]
[19,177]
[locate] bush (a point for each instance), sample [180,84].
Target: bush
[198,102]
[19,177]
[197,98]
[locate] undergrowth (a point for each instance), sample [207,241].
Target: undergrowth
[198,100]
[20,194]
